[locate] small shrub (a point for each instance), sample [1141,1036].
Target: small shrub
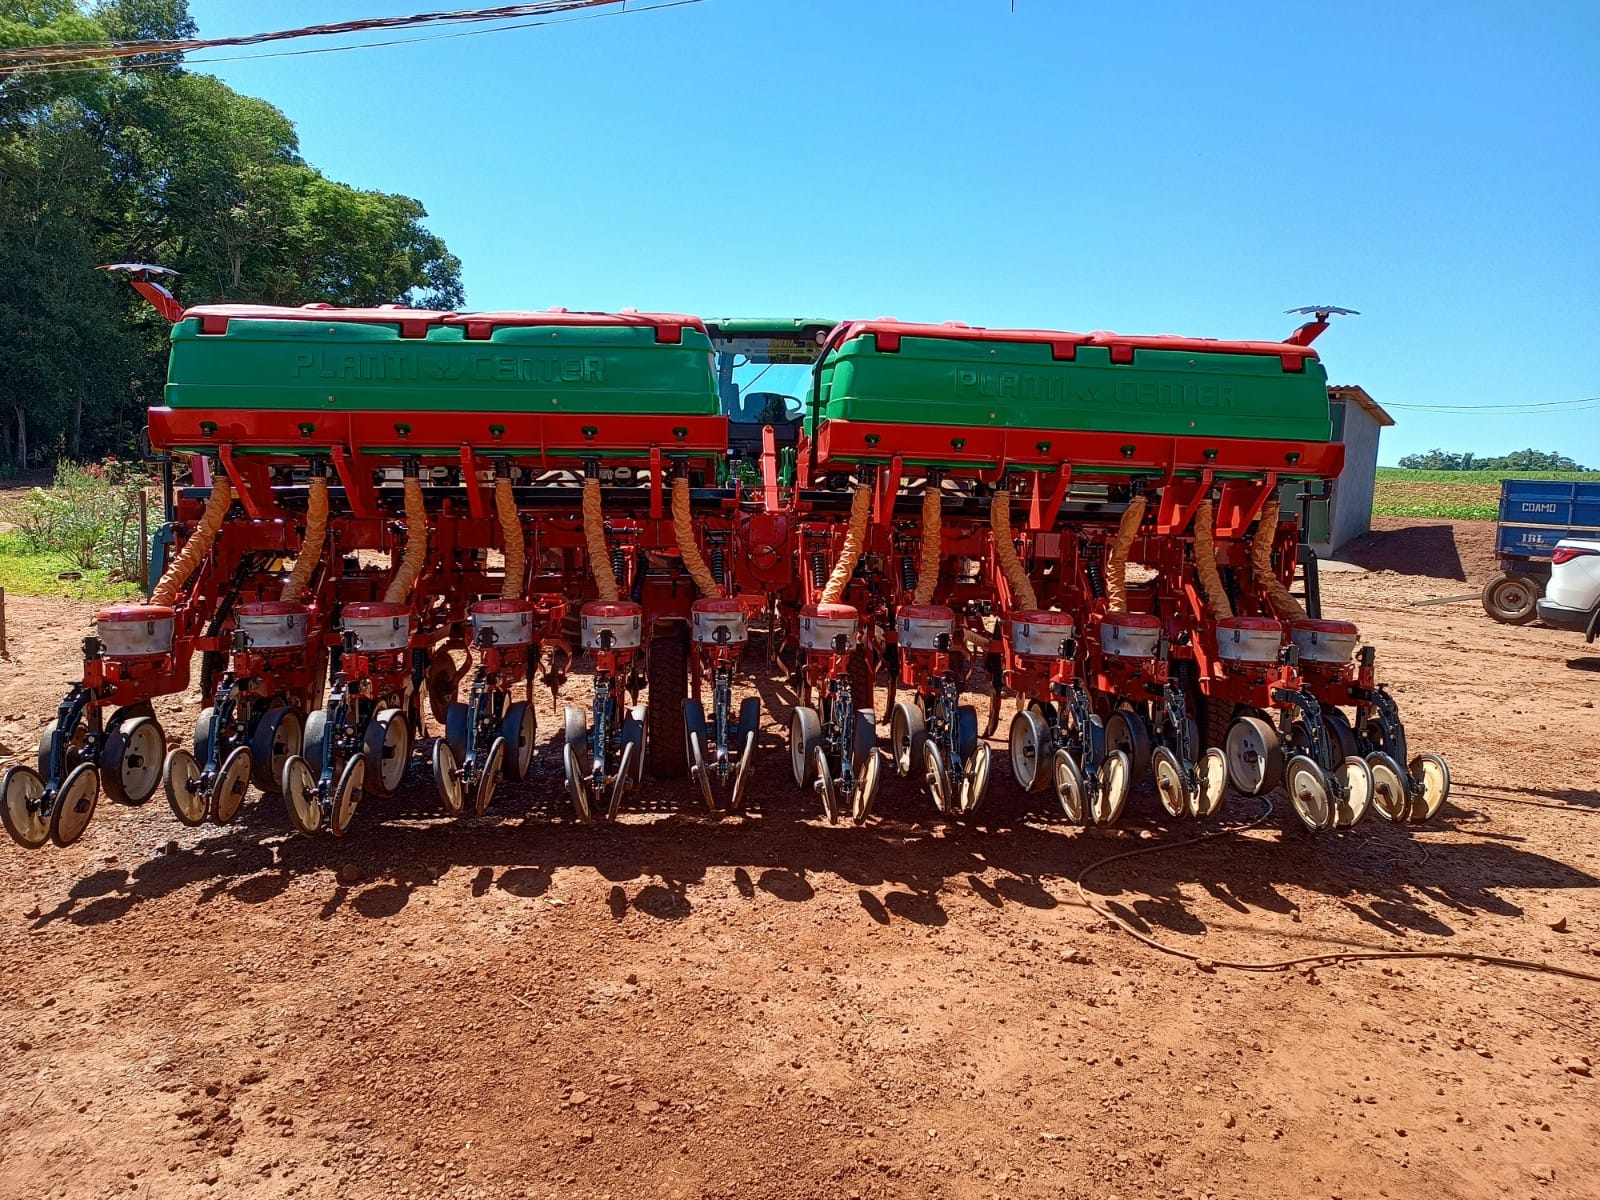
[90,514]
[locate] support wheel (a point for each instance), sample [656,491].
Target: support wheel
[938,778]
[347,794]
[577,784]
[805,735]
[1430,780]
[1512,599]
[20,789]
[519,729]
[1391,795]
[131,760]
[232,782]
[387,751]
[973,785]
[1352,791]
[1255,757]
[489,777]
[1213,773]
[1029,757]
[1115,781]
[1309,793]
[300,800]
[311,745]
[907,735]
[1068,780]
[1128,731]
[1171,785]
[279,735]
[447,777]
[75,804]
[180,777]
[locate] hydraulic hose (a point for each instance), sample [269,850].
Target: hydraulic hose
[505,507]
[1284,604]
[1117,567]
[198,545]
[399,589]
[688,548]
[1005,550]
[305,563]
[594,532]
[1205,560]
[855,540]
[928,570]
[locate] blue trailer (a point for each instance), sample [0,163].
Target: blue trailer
[1535,514]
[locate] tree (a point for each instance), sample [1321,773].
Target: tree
[149,162]
[1517,460]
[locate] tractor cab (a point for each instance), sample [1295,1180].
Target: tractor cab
[764,372]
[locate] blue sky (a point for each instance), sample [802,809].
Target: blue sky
[1149,168]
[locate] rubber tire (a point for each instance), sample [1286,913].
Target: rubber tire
[1512,599]
[666,744]
[519,757]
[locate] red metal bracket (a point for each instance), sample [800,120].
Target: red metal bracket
[655,483]
[1179,499]
[883,495]
[769,470]
[477,502]
[1042,510]
[253,484]
[1241,501]
[358,490]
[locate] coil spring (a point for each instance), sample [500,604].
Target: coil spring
[819,567]
[719,565]
[619,564]
[1097,579]
[908,573]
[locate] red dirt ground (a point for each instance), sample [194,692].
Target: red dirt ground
[768,1007]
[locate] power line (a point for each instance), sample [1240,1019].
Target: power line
[77,54]
[1487,409]
[82,66]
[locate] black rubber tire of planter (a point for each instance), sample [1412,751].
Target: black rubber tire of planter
[668,679]
[1512,599]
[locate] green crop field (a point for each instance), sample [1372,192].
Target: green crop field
[26,574]
[1452,495]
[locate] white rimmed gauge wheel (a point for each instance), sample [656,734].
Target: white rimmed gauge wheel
[697,767]
[907,735]
[1213,771]
[1255,757]
[279,734]
[1127,731]
[1030,762]
[1309,793]
[131,760]
[447,777]
[864,759]
[823,782]
[75,804]
[489,777]
[973,785]
[938,779]
[387,749]
[805,734]
[866,794]
[741,774]
[300,799]
[1391,795]
[1116,780]
[1430,771]
[1068,780]
[347,795]
[180,777]
[577,783]
[1171,786]
[1352,791]
[232,782]
[20,789]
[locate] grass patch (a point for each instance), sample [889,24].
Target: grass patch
[26,574]
[1402,475]
[1443,510]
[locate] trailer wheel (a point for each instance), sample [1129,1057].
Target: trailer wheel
[668,681]
[1512,599]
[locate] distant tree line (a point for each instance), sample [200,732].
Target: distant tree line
[147,162]
[1517,460]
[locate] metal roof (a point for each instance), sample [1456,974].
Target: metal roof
[1351,391]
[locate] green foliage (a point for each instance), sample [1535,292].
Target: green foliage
[89,516]
[1486,475]
[147,162]
[24,573]
[1447,510]
[1517,460]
